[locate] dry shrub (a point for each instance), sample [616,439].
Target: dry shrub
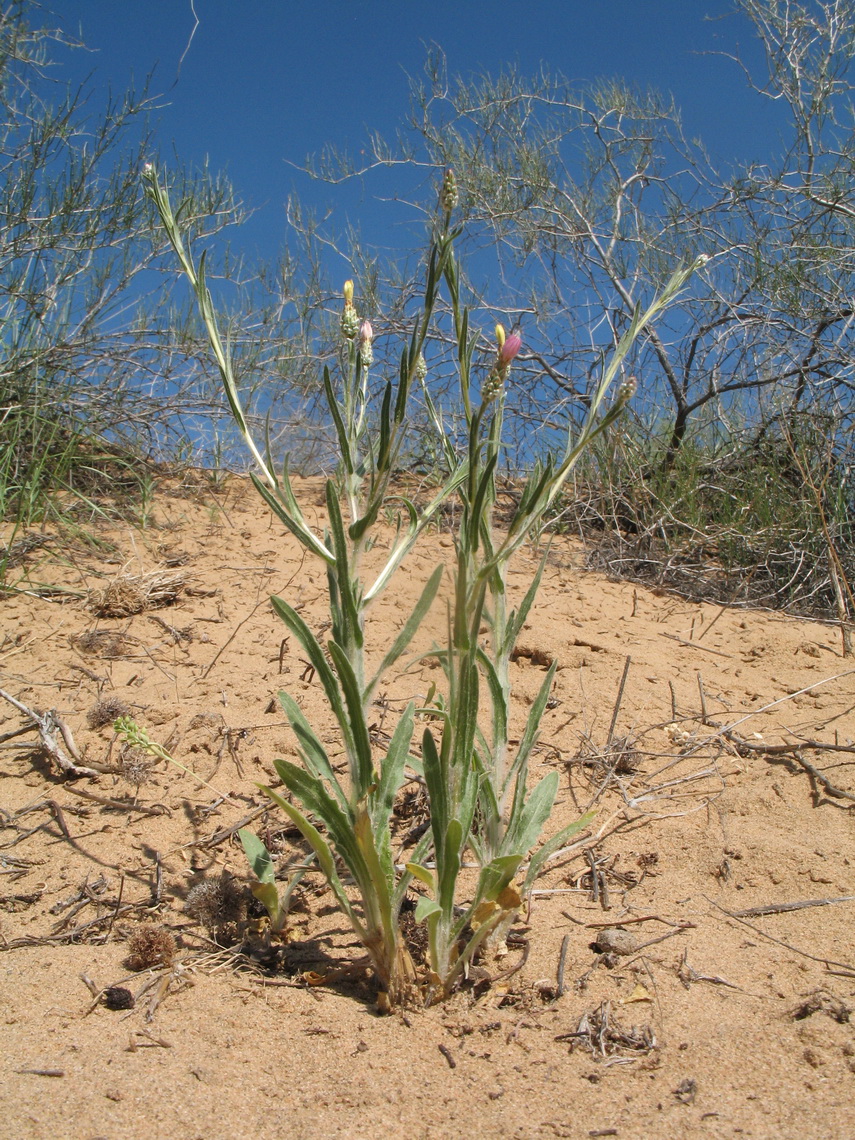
[105,711]
[220,905]
[137,766]
[150,946]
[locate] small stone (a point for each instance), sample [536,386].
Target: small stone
[612,940]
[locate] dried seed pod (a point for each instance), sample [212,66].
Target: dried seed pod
[117,997]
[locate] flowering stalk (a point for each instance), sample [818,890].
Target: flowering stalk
[508,813]
[355,812]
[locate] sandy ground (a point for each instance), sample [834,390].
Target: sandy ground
[720,1010]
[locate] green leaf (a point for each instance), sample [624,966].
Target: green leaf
[551,846]
[406,635]
[517,617]
[377,891]
[344,579]
[497,875]
[392,768]
[313,752]
[294,524]
[354,728]
[527,821]
[498,706]
[258,856]
[422,874]
[315,653]
[324,855]
[437,786]
[268,896]
[341,431]
[448,865]
[426,907]
[519,767]
[339,822]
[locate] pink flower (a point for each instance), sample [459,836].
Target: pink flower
[510,348]
[366,332]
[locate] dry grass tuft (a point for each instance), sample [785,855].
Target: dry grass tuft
[130,594]
[104,643]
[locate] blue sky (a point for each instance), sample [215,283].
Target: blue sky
[263,83]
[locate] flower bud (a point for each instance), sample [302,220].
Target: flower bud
[500,335]
[349,319]
[492,386]
[509,347]
[626,391]
[366,351]
[420,371]
[448,196]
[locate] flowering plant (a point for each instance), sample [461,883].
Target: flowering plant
[479,800]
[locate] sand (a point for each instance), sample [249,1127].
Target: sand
[696,1019]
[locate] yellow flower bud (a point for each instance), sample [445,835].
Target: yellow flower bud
[500,335]
[348,292]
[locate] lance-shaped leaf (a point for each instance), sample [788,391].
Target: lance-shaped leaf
[258,856]
[392,769]
[517,618]
[437,786]
[377,893]
[313,752]
[316,655]
[529,817]
[338,821]
[355,727]
[552,845]
[344,582]
[322,850]
[448,858]
[498,704]
[408,631]
[519,767]
[341,431]
[419,854]
[294,523]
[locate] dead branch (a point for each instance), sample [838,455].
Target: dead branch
[50,728]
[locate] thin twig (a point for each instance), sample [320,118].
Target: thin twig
[782,908]
[827,962]
[694,645]
[619,700]
[562,960]
[158,809]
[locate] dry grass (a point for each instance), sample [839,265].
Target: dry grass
[129,594]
